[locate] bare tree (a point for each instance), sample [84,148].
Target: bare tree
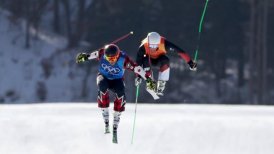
[33,11]
[258,50]
[66,5]
[74,25]
[56,16]
[28,20]
[263,95]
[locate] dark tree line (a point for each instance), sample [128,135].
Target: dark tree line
[258,50]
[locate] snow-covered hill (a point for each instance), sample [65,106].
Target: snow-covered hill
[43,72]
[160,129]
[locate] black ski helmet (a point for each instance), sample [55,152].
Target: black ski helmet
[111,50]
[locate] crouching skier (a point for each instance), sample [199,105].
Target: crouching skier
[153,52]
[112,64]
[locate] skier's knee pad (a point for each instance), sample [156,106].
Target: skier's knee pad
[164,75]
[119,103]
[105,114]
[103,99]
[116,119]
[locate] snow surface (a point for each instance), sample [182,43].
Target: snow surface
[67,128]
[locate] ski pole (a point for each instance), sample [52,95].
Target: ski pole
[200,30]
[122,37]
[135,111]
[119,39]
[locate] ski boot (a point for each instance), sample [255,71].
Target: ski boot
[116,120]
[105,114]
[161,87]
[107,131]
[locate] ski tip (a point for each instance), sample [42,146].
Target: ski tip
[156,98]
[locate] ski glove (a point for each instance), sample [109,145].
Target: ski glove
[81,57]
[192,65]
[138,81]
[151,84]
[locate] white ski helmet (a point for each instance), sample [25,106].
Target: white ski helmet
[154,39]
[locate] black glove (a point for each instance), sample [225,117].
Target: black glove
[151,84]
[81,57]
[192,65]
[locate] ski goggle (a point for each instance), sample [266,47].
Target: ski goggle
[153,46]
[112,59]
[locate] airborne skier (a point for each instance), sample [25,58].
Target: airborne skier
[112,64]
[153,51]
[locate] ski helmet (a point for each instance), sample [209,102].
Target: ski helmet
[154,39]
[111,52]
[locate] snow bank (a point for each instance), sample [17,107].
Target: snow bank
[160,129]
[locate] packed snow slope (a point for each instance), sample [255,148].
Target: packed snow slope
[67,128]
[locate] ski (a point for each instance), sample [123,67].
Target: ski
[114,136]
[153,94]
[139,70]
[107,126]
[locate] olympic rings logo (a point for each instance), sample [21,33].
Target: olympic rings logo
[110,69]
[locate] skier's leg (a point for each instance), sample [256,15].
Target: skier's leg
[116,120]
[103,99]
[148,63]
[120,100]
[163,76]
[119,105]
[105,114]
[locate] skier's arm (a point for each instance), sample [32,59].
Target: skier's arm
[81,57]
[140,55]
[96,54]
[142,59]
[93,55]
[174,48]
[131,65]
